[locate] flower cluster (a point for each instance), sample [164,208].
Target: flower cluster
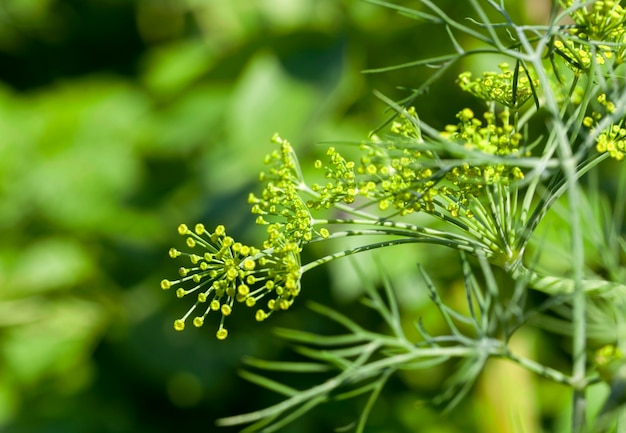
[397,177]
[407,177]
[612,139]
[489,137]
[507,87]
[225,272]
[403,175]
[578,56]
[407,125]
[393,175]
[281,198]
[604,21]
[341,186]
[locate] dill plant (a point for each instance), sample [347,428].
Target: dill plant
[489,180]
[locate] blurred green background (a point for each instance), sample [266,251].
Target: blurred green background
[119,120]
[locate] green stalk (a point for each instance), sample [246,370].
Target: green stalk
[568,164]
[555,286]
[373,246]
[539,369]
[411,230]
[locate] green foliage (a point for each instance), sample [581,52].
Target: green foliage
[485,184]
[114,116]
[122,118]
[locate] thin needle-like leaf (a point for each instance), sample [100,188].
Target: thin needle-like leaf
[266,383]
[282,366]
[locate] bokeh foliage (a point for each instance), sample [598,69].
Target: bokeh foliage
[120,119]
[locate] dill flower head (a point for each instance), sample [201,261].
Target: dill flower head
[600,29]
[509,88]
[224,272]
[603,20]
[405,175]
[280,205]
[612,138]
